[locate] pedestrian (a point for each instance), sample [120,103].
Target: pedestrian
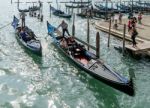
[115,26]
[113,16]
[133,22]
[140,18]
[120,18]
[133,36]
[129,25]
[64,26]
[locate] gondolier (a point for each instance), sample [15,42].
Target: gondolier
[64,26]
[22,15]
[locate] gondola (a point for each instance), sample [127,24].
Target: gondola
[81,2]
[103,8]
[23,10]
[88,61]
[60,13]
[30,42]
[71,5]
[95,13]
[34,8]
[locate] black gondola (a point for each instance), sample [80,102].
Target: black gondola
[27,38]
[59,13]
[90,63]
[34,8]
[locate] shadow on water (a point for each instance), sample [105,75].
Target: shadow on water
[100,90]
[36,58]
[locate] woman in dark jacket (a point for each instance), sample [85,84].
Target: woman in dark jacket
[133,36]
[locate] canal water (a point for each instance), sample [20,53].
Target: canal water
[52,81]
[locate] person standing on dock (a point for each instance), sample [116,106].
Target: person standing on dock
[120,17]
[115,26]
[129,25]
[133,36]
[64,26]
[140,18]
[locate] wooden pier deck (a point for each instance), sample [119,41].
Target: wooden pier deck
[143,45]
[140,47]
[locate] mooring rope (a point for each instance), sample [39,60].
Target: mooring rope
[5,26]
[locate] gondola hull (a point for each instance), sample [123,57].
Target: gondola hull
[59,13]
[37,51]
[62,15]
[35,8]
[24,10]
[77,6]
[100,71]
[26,37]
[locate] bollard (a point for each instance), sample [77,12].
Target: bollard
[78,9]
[66,8]
[109,33]
[98,45]
[18,4]
[72,10]
[73,26]
[88,31]
[124,34]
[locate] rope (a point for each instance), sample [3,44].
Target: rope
[5,26]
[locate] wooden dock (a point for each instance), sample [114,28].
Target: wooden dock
[116,33]
[142,45]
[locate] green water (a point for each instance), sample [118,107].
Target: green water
[52,81]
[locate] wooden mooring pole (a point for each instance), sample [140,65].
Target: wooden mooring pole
[18,4]
[124,34]
[78,9]
[73,26]
[109,33]
[98,45]
[66,8]
[88,31]
[72,10]
[50,10]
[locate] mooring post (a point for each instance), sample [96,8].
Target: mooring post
[124,34]
[72,10]
[69,10]
[109,33]
[78,9]
[98,45]
[66,8]
[88,31]
[73,26]
[18,4]
[50,10]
